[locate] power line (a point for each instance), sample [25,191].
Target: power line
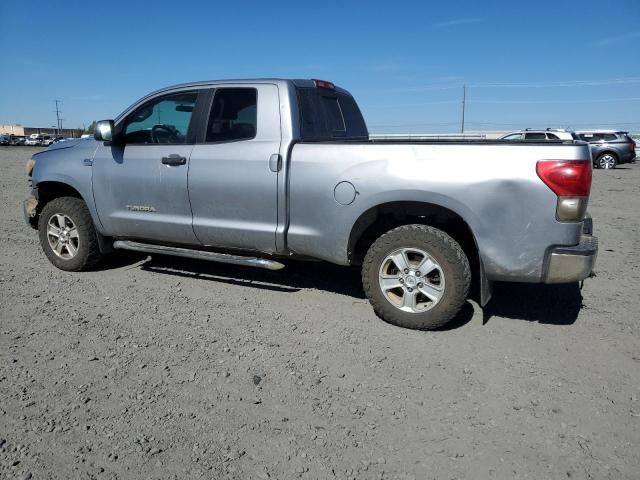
[499,124]
[561,83]
[497,101]
[550,84]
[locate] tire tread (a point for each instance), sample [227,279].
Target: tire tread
[76,209]
[452,252]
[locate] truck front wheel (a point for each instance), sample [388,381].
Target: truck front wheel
[67,234]
[416,276]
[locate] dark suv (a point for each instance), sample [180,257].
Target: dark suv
[609,147]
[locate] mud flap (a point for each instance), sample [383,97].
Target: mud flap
[30,207]
[105,244]
[486,286]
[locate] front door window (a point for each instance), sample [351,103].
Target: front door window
[162,121]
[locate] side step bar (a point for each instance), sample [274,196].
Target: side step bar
[198,254]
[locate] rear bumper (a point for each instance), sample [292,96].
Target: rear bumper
[628,157]
[572,264]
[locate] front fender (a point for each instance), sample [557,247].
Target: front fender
[68,167]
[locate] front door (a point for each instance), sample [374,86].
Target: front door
[233,174]
[140,186]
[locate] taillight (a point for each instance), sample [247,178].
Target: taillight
[566,177]
[570,180]
[324,84]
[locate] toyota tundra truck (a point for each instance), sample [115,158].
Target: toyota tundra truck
[255,172]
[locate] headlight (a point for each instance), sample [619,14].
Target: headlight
[29,166]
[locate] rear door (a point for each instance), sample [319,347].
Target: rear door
[233,173]
[140,187]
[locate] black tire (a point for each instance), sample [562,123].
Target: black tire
[444,250]
[87,252]
[607,160]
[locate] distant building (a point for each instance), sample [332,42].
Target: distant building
[26,131]
[11,130]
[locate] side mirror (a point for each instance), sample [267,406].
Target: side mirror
[104,131]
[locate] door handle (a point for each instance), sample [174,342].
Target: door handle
[275,162]
[174,159]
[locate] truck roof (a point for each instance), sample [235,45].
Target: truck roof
[299,82]
[283,82]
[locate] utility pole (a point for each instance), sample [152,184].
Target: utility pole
[464,101]
[58,117]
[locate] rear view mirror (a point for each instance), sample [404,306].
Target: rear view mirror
[104,131]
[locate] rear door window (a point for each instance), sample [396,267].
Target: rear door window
[534,136]
[597,137]
[233,116]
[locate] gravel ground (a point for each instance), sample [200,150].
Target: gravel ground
[166,368]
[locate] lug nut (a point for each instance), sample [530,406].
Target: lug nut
[410,289]
[420,285]
[401,280]
[406,270]
[418,273]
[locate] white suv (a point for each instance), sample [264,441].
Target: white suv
[543,134]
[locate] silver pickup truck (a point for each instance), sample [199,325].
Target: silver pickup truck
[254,172]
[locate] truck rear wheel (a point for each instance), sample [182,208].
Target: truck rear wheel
[416,276]
[67,234]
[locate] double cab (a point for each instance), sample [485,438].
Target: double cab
[255,172]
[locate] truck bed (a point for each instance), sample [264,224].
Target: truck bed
[491,184]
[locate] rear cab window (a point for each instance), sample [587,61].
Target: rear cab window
[327,114]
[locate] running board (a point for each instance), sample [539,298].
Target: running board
[198,254]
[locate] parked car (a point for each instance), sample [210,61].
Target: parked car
[540,134]
[5,139]
[33,141]
[48,140]
[17,140]
[609,148]
[252,172]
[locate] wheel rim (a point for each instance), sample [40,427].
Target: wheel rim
[607,161]
[63,237]
[411,280]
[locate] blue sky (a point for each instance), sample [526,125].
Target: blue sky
[541,64]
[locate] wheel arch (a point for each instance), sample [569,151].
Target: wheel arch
[48,190]
[610,152]
[384,217]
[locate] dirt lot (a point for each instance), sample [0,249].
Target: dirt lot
[165,368]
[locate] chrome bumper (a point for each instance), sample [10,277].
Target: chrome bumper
[572,264]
